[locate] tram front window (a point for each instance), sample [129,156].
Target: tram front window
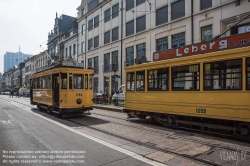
[64,81]
[78,81]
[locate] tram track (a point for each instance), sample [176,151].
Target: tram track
[176,134]
[153,147]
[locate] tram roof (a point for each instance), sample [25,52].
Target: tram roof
[64,64]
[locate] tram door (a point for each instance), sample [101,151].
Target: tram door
[55,84]
[31,90]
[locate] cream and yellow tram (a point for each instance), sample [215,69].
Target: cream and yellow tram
[209,90]
[62,90]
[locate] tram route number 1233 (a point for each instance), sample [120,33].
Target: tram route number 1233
[201,110]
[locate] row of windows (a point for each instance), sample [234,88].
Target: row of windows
[107,67]
[69,51]
[161,15]
[161,18]
[221,75]
[90,24]
[77,80]
[178,40]
[115,12]
[115,36]
[178,4]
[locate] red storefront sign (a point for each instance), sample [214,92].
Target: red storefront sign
[230,42]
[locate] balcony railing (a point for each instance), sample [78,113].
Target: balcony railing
[110,67]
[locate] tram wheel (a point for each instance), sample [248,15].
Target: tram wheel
[59,115]
[49,110]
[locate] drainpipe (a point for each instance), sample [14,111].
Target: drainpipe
[121,37]
[85,33]
[192,21]
[77,47]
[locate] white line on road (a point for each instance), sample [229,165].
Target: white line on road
[127,152]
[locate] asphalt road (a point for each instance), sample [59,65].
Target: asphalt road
[28,139]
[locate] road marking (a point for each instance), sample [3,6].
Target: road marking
[117,148]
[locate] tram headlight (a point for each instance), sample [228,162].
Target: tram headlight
[79,101]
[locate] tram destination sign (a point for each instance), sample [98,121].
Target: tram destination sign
[230,42]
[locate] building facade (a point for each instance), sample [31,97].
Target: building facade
[113,34]
[41,61]
[11,59]
[27,71]
[62,26]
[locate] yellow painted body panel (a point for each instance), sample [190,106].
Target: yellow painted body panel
[43,96]
[68,98]
[219,104]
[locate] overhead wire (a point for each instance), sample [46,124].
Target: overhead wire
[120,9]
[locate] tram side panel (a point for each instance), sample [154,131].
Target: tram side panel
[43,96]
[217,105]
[80,99]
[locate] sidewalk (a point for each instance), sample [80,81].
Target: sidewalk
[110,107]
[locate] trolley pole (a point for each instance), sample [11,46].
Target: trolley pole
[108,89]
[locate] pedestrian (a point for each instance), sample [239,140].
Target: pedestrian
[11,93]
[23,94]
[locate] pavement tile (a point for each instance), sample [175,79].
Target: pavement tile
[178,161]
[160,156]
[135,150]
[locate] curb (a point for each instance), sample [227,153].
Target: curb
[120,110]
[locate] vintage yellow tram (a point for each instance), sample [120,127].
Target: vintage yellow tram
[208,91]
[62,90]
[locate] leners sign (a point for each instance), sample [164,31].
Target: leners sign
[230,42]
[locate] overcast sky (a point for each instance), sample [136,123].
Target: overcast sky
[27,23]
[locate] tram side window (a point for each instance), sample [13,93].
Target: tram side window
[140,80]
[158,79]
[223,75]
[64,80]
[86,81]
[70,81]
[248,73]
[90,81]
[130,81]
[34,83]
[78,81]
[43,82]
[186,77]
[38,83]
[49,81]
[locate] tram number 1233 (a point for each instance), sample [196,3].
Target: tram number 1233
[201,110]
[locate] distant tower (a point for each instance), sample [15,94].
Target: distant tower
[19,48]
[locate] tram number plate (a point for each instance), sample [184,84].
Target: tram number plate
[79,94]
[201,110]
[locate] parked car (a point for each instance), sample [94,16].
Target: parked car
[23,91]
[28,93]
[100,98]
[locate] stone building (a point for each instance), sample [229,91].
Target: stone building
[113,34]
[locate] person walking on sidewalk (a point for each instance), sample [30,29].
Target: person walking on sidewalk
[11,93]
